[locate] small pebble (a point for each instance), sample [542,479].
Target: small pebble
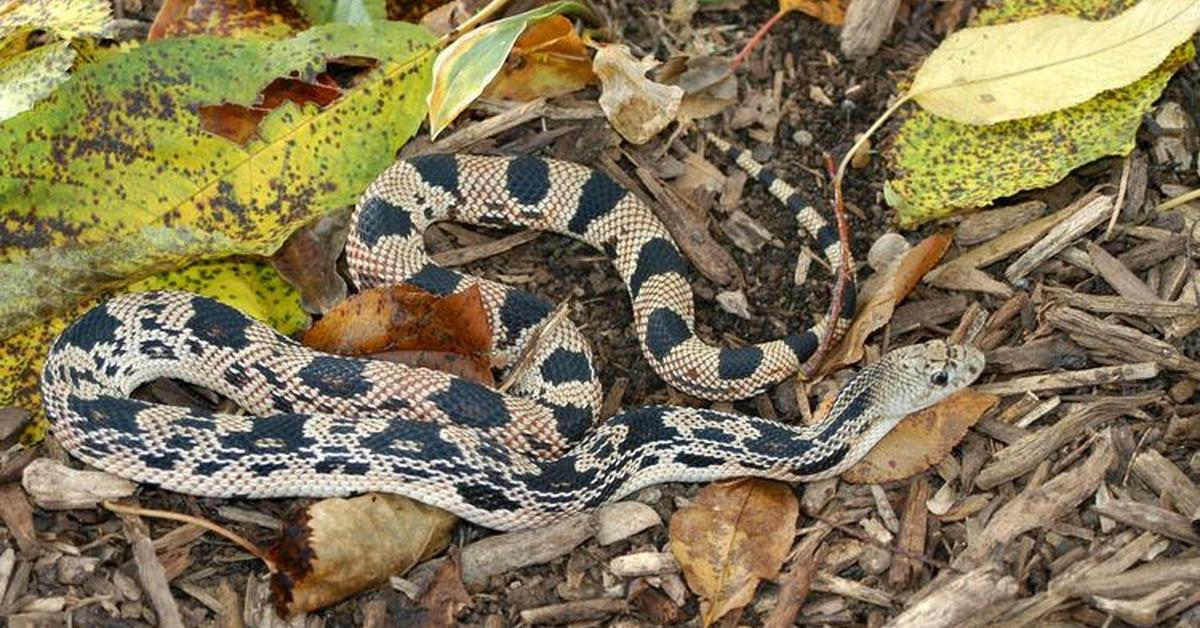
[803,138]
[875,560]
[886,250]
[762,153]
[75,569]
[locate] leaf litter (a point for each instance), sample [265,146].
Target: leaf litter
[1081,520]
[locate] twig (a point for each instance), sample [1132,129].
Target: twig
[833,328]
[237,539]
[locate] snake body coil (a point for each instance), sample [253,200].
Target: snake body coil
[329,425]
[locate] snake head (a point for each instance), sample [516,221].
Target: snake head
[918,376]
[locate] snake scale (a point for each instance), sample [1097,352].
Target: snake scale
[323,425]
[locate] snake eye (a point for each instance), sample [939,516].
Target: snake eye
[939,378]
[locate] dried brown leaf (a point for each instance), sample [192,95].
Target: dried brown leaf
[922,439]
[831,12]
[338,547]
[445,597]
[732,535]
[637,107]
[450,333]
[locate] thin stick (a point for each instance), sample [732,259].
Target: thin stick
[848,531]
[237,539]
[844,275]
[754,41]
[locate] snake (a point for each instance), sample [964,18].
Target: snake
[321,425]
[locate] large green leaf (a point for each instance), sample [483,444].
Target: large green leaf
[112,178]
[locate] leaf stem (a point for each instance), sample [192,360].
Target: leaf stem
[237,539]
[862,139]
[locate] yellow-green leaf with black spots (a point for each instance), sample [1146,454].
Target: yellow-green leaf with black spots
[113,178]
[939,166]
[252,286]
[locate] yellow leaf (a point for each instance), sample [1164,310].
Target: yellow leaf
[31,76]
[1004,72]
[730,537]
[65,19]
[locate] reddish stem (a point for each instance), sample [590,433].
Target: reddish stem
[758,36]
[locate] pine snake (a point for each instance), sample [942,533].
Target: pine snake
[323,425]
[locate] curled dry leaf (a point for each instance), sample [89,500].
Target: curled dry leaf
[881,293]
[450,333]
[445,597]
[730,537]
[637,107]
[549,59]
[308,260]
[922,439]
[338,547]
[990,74]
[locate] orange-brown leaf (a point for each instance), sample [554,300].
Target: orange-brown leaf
[730,537]
[445,597]
[338,547]
[881,294]
[267,19]
[407,324]
[548,59]
[831,12]
[922,439]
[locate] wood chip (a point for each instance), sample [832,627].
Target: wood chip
[1093,209]
[966,599]
[1072,379]
[151,574]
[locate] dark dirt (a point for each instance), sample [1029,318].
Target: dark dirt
[806,52]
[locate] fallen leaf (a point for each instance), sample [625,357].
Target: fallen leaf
[637,107]
[881,293]
[113,198]
[940,166]
[450,333]
[730,537]
[709,85]
[308,260]
[29,72]
[255,19]
[922,439]
[548,59]
[355,12]
[989,74]
[337,547]
[467,66]
[831,12]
